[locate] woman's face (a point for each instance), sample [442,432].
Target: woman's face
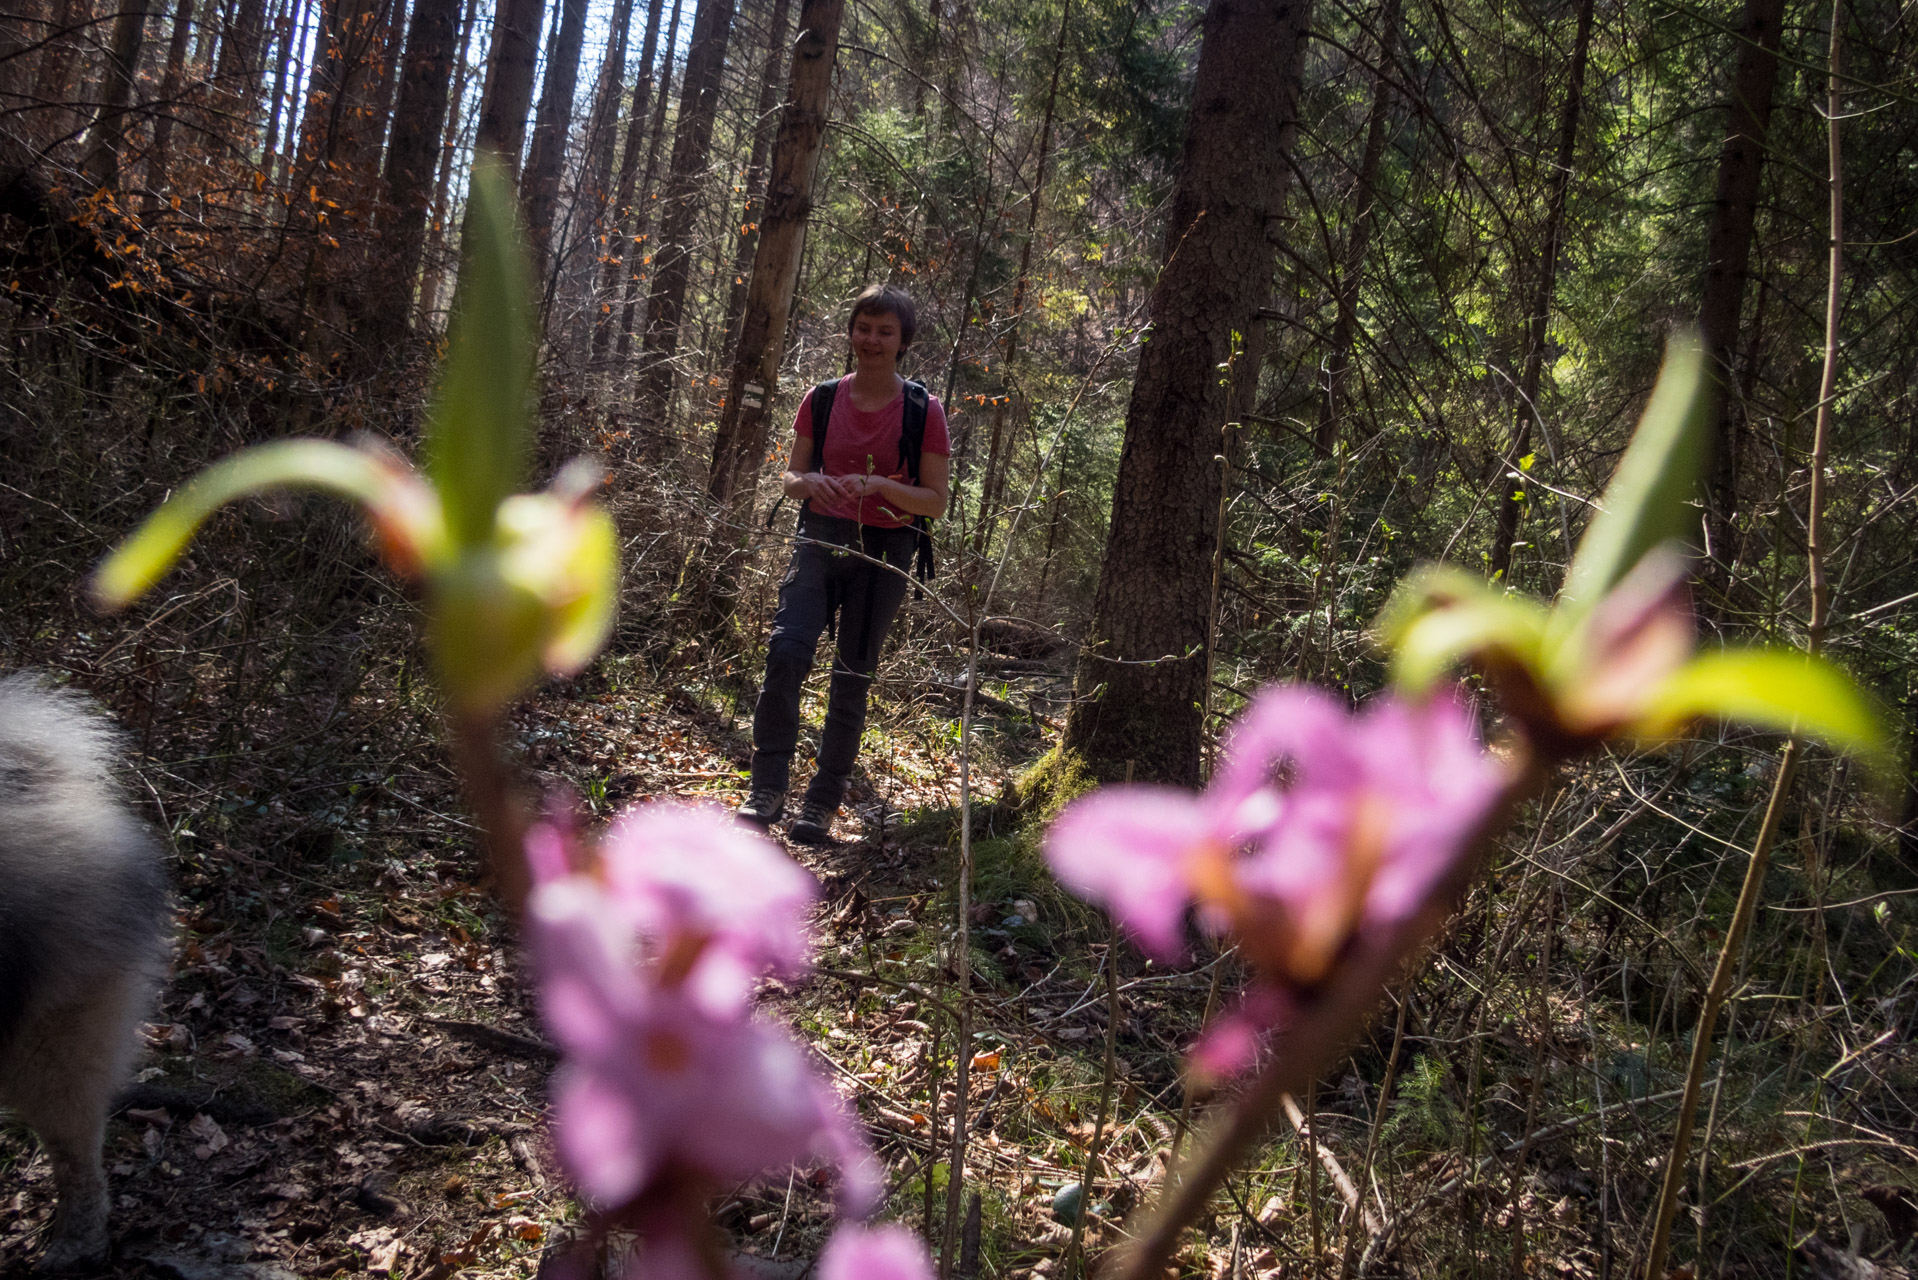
[875,340]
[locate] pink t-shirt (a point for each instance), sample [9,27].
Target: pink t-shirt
[860,443]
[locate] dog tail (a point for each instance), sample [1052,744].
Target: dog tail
[82,883]
[52,739]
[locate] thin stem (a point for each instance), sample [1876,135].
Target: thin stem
[1191,1085]
[962,960]
[1218,567]
[1308,1128]
[1324,1023]
[1347,1254]
[1075,1253]
[495,797]
[1788,765]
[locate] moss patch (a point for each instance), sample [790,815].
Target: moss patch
[1057,779]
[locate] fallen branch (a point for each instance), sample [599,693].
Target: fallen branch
[1348,1191]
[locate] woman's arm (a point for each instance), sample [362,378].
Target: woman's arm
[927,498]
[800,482]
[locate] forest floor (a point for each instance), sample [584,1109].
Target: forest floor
[347,1074]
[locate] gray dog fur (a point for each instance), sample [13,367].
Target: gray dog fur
[83,943]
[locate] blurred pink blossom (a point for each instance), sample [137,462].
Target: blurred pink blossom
[690,878]
[665,1069]
[1321,830]
[875,1253]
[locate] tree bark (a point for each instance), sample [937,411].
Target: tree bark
[21,25]
[1512,494]
[106,134]
[673,258]
[1140,681]
[292,19]
[1728,247]
[755,183]
[349,47]
[539,193]
[380,114]
[595,192]
[172,83]
[240,50]
[1345,323]
[53,87]
[443,185]
[614,240]
[412,157]
[648,194]
[509,81]
[740,442]
[996,462]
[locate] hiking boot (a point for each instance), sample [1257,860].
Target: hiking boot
[765,806]
[814,823]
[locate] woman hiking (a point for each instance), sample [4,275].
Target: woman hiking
[853,470]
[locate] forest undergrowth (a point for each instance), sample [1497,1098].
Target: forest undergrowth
[345,1074]
[1472,229]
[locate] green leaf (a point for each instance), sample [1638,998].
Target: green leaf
[1648,498]
[480,435]
[584,624]
[1779,689]
[1442,617]
[138,562]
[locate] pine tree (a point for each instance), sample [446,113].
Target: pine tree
[1140,684]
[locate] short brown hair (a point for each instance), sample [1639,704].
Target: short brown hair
[886,299]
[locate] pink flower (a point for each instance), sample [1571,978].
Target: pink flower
[647,956]
[712,898]
[875,1253]
[652,1078]
[1320,831]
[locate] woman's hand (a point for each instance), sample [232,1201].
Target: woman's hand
[833,488]
[881,487]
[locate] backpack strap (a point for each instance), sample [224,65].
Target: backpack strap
[912,441]
[912,428]
[822,398]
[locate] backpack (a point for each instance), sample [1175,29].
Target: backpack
[912,439]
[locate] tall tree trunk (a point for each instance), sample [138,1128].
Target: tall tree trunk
[673,258]
[336,179]
[638,252]
[106,134]
[592,189]
[306,35]
[509,81]
[346,57]
[997,449]
[539,192]
[380,109]
[22,23]
[53,88]
[595,192]
[240,50]
[280,54]
[419,120]
[613,250]
[1728,248]
[755,183]
[741,439]
[443,185]
[1140,682]
[1345,323]
[1512,494]
[172,83]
